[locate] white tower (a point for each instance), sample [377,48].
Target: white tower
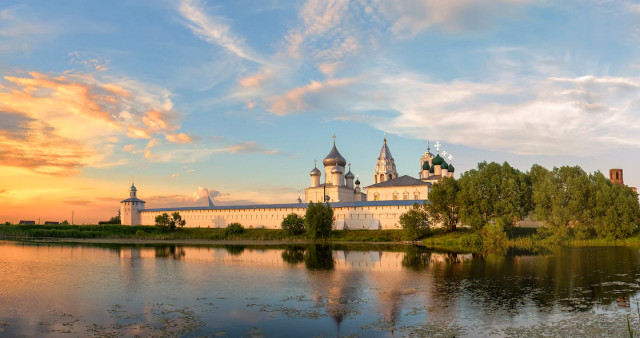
[130,208]
[334,159]
[315,176]
[386,166]
[349,176]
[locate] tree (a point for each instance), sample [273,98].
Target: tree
[616,211]
[493,193]
[65,222]
[318,220]
[7,223]
[293,224]
[415,222]
[163,220]
[114,220]
[234,228]
[443,203]
[177,221]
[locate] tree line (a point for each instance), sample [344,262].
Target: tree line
[567,200]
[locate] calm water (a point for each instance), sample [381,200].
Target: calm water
[114,290]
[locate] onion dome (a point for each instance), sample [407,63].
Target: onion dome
[349,175]
[438,160]
[451,168]
[444,165]
[357,181]
[133,188]
[315,172]
[432,170]
[336,170]
[425,165]
[334,158]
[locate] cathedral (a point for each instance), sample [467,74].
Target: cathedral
[377,206]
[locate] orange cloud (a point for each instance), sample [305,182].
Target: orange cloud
[58,124]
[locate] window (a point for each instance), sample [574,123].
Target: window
[405,196]
[395,196]
[416,195]
[381,178]
[376,197]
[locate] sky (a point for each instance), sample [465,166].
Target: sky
[235,100]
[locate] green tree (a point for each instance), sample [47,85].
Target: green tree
[177,221]
[415,222]
[616,211]
[492,193]
[65,222]
[293,224]
[114,220]
[443,203]
[7,223]
[318,220]
[233,229]
[163,220]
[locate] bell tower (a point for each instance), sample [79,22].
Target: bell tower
[386,166]
[615,176]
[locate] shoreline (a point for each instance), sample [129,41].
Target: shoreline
[194,241]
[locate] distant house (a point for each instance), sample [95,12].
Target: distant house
[27,222]
[51,223]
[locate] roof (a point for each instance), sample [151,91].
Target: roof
[385,153]
[293,205]
[402,181]
[133,199]
[334,154]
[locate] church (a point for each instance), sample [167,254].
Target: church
[377,206]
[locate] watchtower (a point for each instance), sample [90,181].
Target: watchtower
[615,176]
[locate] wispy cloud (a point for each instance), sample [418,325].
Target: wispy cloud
[20,32]
[214,31]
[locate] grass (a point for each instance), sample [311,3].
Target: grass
[155,233]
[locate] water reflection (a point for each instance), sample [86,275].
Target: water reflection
[322,289]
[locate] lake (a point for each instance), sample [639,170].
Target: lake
[70,290]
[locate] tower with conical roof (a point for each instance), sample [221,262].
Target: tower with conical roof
[386,166]
[332,160]
[131,207]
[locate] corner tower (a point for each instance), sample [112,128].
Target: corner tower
[615,176]
[386,166]
[131,207]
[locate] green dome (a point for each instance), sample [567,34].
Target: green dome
[432,170]
[437,160]
[425,165]
[451,168]
[444,165]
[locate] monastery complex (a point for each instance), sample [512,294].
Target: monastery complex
[377,206]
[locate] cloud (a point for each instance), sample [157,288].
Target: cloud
[20,32]
[411,17]
[257,79]
[59,124]
[197,198]
[250,147]
[301,99]
[213,30]
[174,175]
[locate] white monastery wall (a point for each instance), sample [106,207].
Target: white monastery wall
[355,217]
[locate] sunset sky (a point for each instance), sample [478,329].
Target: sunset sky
[236,99]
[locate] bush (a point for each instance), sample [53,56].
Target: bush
[293,224]
[233,229]
[318,220]
[415,223]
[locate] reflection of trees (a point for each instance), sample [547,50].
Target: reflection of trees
[293,254]
[234,249]
[169,251]
[319,257]
[416,258]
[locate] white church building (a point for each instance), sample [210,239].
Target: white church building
[377,206]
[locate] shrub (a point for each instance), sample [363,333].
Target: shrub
[415,223]
[233,229]
[293,224]
[318,220]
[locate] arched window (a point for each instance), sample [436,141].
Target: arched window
[416,195]
[405,196]
[376,197]
[617,177]
[395,196]
[390,176]
[381,178]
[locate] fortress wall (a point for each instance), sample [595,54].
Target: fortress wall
[367,217]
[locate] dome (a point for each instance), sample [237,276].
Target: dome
[357,181]
[437,160]
[349,175]
[451,168]
[334,158]
[315,172]
[432,170]
[336,170]
[425,165]
[444,165]
[133,188]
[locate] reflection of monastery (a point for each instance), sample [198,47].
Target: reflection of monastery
[377,206]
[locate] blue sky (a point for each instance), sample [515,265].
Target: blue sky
[234,100]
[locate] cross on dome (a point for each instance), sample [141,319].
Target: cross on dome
[450,157]
[438,145]
[444,154]
[334,139]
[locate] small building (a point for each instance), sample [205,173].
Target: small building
[399,188]
[51,223]
[27,222]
